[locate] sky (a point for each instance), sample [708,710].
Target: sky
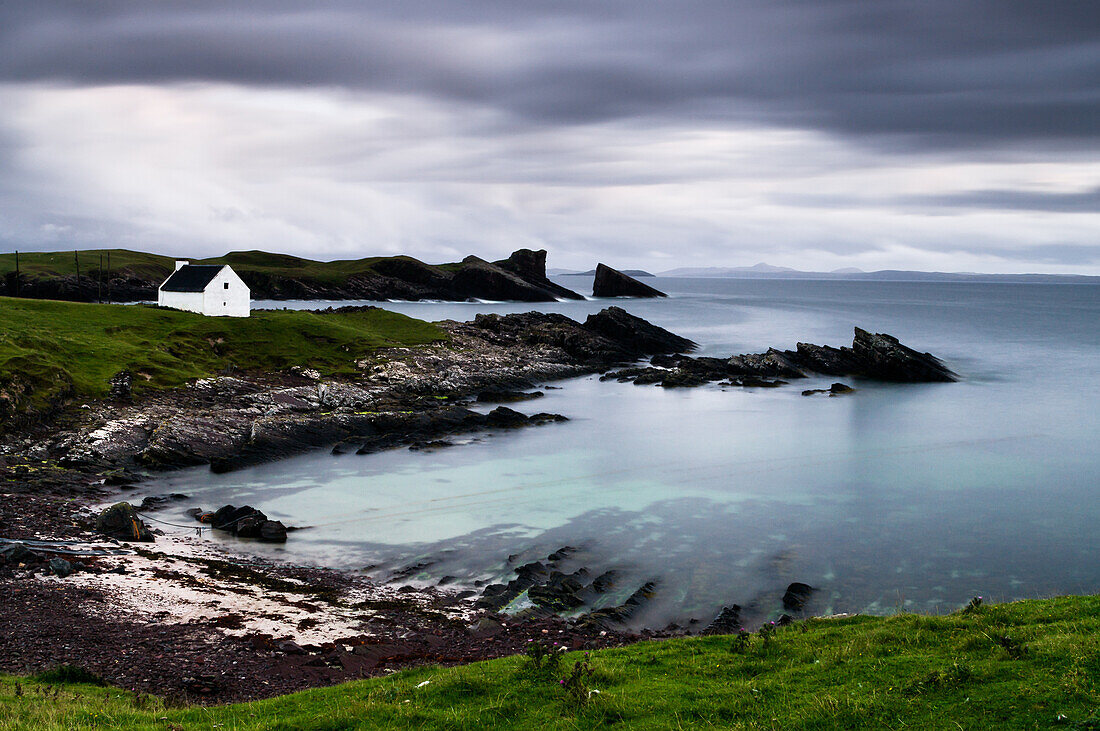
[938,135]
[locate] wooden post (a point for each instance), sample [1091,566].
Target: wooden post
[99,281]
[108,277]
[16,273]
[76,257]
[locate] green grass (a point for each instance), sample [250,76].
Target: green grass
[53,348]
[40,264]
[906,671]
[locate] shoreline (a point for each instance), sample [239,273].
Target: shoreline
[211,625]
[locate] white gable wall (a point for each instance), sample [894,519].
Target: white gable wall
[216,300]
[227,295]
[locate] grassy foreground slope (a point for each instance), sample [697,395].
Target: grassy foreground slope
[49,349]
[1033,664]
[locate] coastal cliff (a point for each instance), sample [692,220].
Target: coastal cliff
[128,276]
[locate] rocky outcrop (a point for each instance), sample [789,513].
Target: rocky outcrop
[635,335]
[876,357]
[613,283]
[244,522]
[121,522]
[530,266]
[797,596]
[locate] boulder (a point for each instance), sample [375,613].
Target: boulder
[13,554]
[120,521]
[61,568]
[634,335]
[503,417]
[155,502]
[796,596]
[273,531]
[613,283]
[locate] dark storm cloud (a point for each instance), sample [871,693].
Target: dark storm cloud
[1017,200]
[933,73]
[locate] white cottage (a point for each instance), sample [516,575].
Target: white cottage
[209,289]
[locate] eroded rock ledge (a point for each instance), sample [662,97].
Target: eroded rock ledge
[877,357]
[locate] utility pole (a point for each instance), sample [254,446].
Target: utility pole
[76,257]
[16,273]
[108,277]
[99,281]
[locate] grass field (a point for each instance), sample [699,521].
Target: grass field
[1024,665]
[53,348]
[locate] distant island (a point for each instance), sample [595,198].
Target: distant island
[769,271]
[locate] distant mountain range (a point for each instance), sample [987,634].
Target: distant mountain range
[768,271]
[592,273]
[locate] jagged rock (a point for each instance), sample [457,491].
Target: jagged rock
[530,266]
[796,596]
[561,591]
[727,622]
[635,335]
[121,385]
[121,522]
[886,359]
[613,283]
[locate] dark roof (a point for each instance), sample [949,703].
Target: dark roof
[191,278]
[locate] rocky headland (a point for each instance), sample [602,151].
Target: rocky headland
[135,277]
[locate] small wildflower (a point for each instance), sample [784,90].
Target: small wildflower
[421,685]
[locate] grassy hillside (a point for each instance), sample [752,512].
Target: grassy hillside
[56,347]
[61,263]
[1024,665]
[156,267]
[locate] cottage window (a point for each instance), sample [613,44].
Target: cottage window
[226,285]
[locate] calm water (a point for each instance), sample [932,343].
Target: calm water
[916,496]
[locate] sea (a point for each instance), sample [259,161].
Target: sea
[896,497]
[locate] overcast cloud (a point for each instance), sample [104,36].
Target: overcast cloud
[931,134]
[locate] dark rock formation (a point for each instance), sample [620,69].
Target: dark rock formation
[13,554]
[156,502]
[727,622]
[875,357]
[613,283]
[634,334]
[505,396]
[530,266]
[61,568]
[121,385]
[886,359]
[833,390]
[121,522]
[245,522]
[796,596]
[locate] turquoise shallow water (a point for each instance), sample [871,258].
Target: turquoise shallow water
[916,496]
